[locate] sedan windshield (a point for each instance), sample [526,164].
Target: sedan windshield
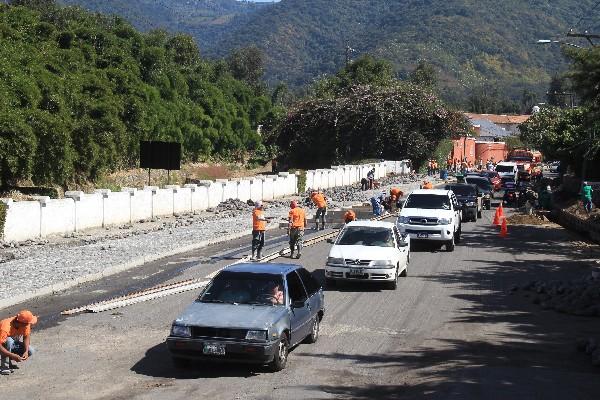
[366,236]
[428,201]
[504,168]
[245,288]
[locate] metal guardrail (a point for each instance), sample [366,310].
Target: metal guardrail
[160,291]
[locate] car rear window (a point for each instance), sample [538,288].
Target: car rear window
[428,201]
[366,236]
[504,168]
[480,182]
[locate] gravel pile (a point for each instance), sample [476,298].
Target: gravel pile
[577,297]
[590,347]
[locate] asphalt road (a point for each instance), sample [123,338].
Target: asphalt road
[451,330]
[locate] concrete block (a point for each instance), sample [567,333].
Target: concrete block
[140,202]
[244,191]
[310,179]
[279,188]
[215,192]
[268,187]
[88,209]
[23,220]
[117,208]
[331,178]
[256,189]
[230,190]
[162,202]
[182,199]
[199,196]
[58,216]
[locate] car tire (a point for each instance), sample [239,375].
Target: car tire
[478,214]
[280,359]
[458,234]
[330,282]
[393,285]
[181,363]
[314,332]
[450,245]
[404,272]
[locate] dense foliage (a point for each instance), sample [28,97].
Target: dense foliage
[481,48]
[78,91]
[349,121]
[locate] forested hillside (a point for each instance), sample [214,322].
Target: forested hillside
[78,91]
[480,47]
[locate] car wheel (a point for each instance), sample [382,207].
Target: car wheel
[314,332]
[280,359]
[450,245]
[181,363]
[404,272]
[329,282]
[457,234]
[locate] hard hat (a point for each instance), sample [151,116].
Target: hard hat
[258,204]
[293,204]
[26,317]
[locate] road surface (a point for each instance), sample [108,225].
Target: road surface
[452,329]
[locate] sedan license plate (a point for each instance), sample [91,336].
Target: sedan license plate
[214,349]
[422,235]
[357,271]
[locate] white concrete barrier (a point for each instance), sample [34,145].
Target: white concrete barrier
[256,189]
[58,216]
[162,202]
[140,203]
[23,220]
[116,207]
[244,192]
[268,187]
[182,199]
[88,209]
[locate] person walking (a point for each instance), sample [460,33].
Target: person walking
[259,225]
[296,226]
[586,197]
[320,201]
[15,338]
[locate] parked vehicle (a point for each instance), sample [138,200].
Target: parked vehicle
[470,198]
[432,215]
[511,195]
[485,187]
[250,313]
[492,176]
[507,170]
[368,251]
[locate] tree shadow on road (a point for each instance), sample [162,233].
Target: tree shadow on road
[498,345]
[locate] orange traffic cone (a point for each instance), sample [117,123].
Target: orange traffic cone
[501,210]
[504,228]
[496,217]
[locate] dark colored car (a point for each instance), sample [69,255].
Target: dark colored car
[492,176]
[250,313]
[469,198]
[485,188]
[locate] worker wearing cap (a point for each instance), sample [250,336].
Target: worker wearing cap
[15,334]
[586,196]
[349,216]
[427,185]
[296,226]
[320,201]
[396,192]
[259,225]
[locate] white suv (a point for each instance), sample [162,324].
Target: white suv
[431,214]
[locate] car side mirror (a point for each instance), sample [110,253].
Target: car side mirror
[298,304]
[403,243]
[330,241]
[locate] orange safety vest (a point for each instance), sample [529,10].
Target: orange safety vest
[428,185]
[349,216]
[297,218]
[396,192]
[319,200]
[257,223]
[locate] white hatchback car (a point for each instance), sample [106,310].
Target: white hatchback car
[368,251]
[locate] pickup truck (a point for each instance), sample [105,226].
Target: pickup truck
[431,215]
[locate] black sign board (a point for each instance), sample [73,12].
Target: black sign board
[160,155]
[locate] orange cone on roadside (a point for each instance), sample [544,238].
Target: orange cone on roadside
[504,228]
[501,210]
[496,217]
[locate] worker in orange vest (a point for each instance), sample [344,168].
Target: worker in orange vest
[259,225]
[349,216]
[15,336]
[396,192]
[296,226]
[320,201]
[427,185]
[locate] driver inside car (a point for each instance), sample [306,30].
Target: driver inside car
[275,294]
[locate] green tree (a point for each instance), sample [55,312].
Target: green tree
[424,75]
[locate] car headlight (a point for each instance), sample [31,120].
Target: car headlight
[181,331]
[256,335]
[403,220]
[445,221]
[335,260]
[382,263]
[470,204]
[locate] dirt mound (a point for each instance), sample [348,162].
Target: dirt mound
[523,219]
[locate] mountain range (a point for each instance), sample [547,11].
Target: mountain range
[475,45]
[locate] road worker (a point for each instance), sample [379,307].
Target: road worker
[396,192]
[427,185]
[259,225]
[15,336]
[320,201]
[296,226]
[371,178]
[376,204]
[349,216]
